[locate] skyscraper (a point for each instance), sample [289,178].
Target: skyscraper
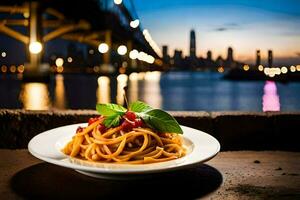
[270,58]
[165,54]
[208,57]
[165,50]
[192,44]
[230,54]
[230,63]
[258,58]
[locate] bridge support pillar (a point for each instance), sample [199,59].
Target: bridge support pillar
[132,62]
[34,69]
[107,40]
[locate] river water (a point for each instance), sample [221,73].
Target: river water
[176,91]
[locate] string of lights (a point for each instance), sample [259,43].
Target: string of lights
[135,24]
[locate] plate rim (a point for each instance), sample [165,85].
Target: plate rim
[102,170]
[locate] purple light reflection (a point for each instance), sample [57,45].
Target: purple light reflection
[270,100]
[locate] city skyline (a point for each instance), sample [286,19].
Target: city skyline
[193,62]
[244,26]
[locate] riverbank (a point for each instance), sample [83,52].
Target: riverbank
[255,75]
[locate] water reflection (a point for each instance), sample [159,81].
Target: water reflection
[60,96]
[270,98]
[194,91]
[133,87]
[169,91]
[103,90]
[122,82]
[35,96]
[141,76]
[151,93]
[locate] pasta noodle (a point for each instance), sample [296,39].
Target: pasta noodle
[138,146]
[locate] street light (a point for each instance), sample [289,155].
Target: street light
[142,56]
[246,67]
[151,42]
[103,48]
[35,47]
[3,54]
[122,50]
[59,62]
[26,15]
[133,54]
[70,59]
[118,2]
[293,68]
[150,59]
[134,23]
[284,70]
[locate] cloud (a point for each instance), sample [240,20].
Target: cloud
[221,29]
[298,53]
[231,24]
[227,27]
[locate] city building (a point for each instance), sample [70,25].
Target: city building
[230,55]
[192,62]
[192,44]
[178,59]
[258,58]
[270,58]
[166,57]
[209,55]
[220,61]
[209,63]
[229,62]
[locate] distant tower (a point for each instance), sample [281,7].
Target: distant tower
[192,44]
[258,58]
[166,57]
[230,55]
[208,57]
[220,61]
[165,50]
[270,58]
[229,62]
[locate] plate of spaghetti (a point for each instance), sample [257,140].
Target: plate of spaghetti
[120,141]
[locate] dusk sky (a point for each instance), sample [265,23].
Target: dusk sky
[242,24]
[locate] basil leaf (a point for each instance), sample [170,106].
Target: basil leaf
[112,113]
[139,106]
[110,109]
[112,121]
[161,121]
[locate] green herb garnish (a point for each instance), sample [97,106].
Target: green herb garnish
[112,113]
[139,107]
[161,121]
[154,118]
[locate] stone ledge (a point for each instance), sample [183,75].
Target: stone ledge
[234,130]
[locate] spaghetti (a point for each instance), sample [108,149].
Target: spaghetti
[138,145]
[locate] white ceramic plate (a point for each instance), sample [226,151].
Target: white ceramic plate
[47,145]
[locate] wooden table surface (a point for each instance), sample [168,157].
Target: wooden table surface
[230,175]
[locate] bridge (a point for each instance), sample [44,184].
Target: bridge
[109,30]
